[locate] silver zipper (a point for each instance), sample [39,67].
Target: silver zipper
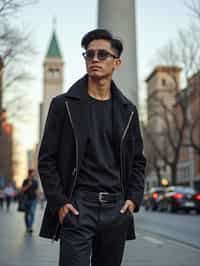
[76,147]
[121,143]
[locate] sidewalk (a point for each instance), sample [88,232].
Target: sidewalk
[17,248]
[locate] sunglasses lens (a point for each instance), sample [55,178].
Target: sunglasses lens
[102,54]
[90,54]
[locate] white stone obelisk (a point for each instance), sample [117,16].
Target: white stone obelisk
[119,17]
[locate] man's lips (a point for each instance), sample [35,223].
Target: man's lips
[95,67]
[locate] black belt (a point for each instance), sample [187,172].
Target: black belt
[100,197]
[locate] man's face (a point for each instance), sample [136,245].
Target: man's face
[98,67]
[32,174]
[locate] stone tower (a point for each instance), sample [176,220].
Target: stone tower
[163,83]
[53,77]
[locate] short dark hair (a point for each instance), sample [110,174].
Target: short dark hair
[99,34]
[30,171]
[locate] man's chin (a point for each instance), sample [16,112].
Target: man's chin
[96,76]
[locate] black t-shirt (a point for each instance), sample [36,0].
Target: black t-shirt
[31,192]
[100,170]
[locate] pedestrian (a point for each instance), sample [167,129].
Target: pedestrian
[91,162]
[1,198]
[30,190]
[9,193]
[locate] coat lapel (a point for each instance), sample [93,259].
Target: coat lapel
[121,114]
[78,104]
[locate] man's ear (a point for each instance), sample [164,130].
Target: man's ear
[118,62]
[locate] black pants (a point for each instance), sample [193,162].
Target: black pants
[96,236]
[8,202]
[1,202]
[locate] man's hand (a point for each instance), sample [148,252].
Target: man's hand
[128,205]
[64,211]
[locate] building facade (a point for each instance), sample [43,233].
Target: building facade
[6,151]
[6,140]
[189,162]
[162,85]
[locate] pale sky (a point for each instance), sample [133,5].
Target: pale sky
[157,22]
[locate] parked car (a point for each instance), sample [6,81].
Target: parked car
[151,198]
[178,198]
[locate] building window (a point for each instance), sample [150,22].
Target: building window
[184,173]
[163,82]
[53,72]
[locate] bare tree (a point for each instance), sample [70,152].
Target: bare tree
[16,51]
[194,7]
[10,7]
[153,162]
[166,142]
[184,51]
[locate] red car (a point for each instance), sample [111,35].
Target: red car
[178,198]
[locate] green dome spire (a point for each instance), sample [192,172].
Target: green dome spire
[54,49]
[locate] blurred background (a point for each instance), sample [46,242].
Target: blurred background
[41,57]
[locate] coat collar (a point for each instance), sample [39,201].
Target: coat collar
[78,91]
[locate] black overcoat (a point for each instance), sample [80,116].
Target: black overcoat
[64,142]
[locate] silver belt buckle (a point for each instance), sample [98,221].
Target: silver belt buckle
[101,194]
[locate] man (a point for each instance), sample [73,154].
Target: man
[30,189]
[91,163]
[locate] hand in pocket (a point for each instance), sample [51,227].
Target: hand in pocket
[63,211]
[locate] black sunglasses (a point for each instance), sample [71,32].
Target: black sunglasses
[101,54]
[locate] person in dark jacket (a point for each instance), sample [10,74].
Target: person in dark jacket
[30,190]
[91,162]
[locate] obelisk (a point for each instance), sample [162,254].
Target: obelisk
[119,17]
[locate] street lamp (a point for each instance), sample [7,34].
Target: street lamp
[164,182]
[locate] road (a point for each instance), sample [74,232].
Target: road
[162,240]
[181,227]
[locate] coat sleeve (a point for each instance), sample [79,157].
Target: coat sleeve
[136,164]
[47,160]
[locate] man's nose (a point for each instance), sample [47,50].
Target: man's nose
[95,57]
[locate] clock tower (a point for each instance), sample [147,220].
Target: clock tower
[53,78]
